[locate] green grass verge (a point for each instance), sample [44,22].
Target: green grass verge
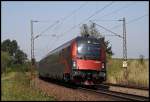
[16,87]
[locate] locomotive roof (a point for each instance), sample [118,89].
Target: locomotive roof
[88,38]
[69,43]
[60,48]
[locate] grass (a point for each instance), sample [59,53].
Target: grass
[138,73]
[16,87]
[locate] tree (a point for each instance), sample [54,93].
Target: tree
[5,46]
[12,48]
[92,31]
[20,57]
[108,50]
[9,46]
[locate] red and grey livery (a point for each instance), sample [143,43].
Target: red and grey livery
[81,60]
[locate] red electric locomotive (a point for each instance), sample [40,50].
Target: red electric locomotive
[81,60]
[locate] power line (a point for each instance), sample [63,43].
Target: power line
[136,19]
[131,21]
[104,20]
[46,29]
[91,15]
[109,35]
[66,17]
[98,11]
[108,30]
[114,12]
[69,15]
[63,19]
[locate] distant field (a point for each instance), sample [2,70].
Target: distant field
[137,72]
[16,87]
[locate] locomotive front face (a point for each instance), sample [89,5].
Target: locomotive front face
[88,64]
[88,55]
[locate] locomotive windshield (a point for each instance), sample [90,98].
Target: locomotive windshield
[89,49]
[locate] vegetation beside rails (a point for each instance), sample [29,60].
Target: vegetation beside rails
[137,72]
[15,76]
[16,87]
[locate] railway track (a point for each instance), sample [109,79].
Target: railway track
[125,86]
[126,89]
[125,96]
[102,89]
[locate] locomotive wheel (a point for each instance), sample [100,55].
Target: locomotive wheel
[66,77]
[40,76]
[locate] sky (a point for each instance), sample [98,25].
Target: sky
[16,19]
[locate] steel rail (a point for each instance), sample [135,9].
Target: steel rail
[125,96]
[102,90]
[125,86]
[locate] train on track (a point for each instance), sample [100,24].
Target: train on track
[81,60]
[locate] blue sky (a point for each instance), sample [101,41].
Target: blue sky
[16,17]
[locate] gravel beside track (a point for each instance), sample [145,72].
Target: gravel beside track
[62,93]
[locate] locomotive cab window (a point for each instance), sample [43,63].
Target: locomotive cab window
[89,49]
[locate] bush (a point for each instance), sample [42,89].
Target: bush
[7,64]
[20,67]
[5,61]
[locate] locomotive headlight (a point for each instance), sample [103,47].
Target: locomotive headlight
[103,66]
[74,64]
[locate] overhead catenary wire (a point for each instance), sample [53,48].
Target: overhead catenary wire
[136,19]
[108,30]
[114,12]
[131,21]
[66,17]
[107,5]
[105,20]
[63,19]
[98,11]
[72,13]
[47,29]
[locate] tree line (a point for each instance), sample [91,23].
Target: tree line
[11,55]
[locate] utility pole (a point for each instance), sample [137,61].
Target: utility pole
[124,40]
[32,48]
[124,50]
[124,44]
[32,42]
